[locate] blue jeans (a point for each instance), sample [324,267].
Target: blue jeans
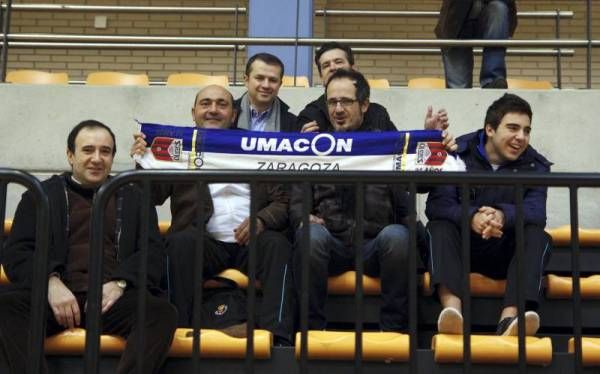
[385,256]
[492,23]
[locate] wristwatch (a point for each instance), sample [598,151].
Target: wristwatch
[122,284]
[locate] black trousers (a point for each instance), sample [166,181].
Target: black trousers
[494,258]
[276,312]
[161,318]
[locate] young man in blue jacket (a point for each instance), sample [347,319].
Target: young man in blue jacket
[502,146]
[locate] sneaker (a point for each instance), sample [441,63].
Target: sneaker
[497,83]
[450,321]
[509,326]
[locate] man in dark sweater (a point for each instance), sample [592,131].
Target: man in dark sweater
[331,57]
[90,152]
[502,146]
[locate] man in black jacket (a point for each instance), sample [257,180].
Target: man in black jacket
[260,109]
[332,221]
[476,19]
[331,57]
[90,152]
[502,146]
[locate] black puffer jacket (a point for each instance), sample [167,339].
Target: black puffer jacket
[376,117]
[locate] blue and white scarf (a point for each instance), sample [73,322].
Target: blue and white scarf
[174,147]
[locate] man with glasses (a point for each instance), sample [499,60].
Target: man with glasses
[332,221]
[334,56]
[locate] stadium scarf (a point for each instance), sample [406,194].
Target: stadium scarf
[174,147]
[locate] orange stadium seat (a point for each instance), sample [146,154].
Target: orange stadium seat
[491,349]
[339,345]
[438,83]
[36,77]
[590,350]
[481,285]
[558,287]
[194,79]
[214,343]
[524,84]
[288,81]
[561,236]
[217,344]
[379,83]
[113,78]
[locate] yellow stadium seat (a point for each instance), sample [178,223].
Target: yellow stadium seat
[524,84]
[72,343]
[37,77]
[214,343]
[590,350]
[339,345]
[3,277]
[558,287]
[288,81]
[561,236]
[194,79]
[344,284]
[379,83]
[113,78]
[437,83]
[481,286]
[491,349]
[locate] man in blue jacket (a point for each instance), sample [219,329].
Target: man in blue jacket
[502,146]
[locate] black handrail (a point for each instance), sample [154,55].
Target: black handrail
[40,260]
[412,179]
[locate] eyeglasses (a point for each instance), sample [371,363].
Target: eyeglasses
[344,102]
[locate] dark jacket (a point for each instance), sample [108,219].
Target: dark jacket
[376,117]
[272,204]
[454,14]
[288,120]
[384,205]
[19,249]
[444,203]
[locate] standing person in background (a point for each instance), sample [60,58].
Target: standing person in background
[476,19]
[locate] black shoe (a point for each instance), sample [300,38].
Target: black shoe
[509,326]
[499,83]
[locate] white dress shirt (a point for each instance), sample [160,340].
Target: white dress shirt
[231,203]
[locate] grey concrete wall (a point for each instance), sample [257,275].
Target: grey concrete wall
[35,121]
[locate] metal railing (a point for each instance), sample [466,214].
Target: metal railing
[520,181]
[39,286]
[120,42]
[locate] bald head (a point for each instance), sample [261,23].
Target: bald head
[213,108]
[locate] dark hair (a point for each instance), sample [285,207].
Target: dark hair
[88,124]
[268,59]
[363,91]
[508,103]
[333,45]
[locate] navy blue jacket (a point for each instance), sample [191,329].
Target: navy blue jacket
[444,202]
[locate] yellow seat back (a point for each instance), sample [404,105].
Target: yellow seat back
[427,83]
[114,78]
[288,81]
[194,79]
[36,77]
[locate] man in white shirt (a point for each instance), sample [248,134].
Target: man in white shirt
[227,224]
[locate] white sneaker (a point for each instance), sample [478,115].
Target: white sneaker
[450,321]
